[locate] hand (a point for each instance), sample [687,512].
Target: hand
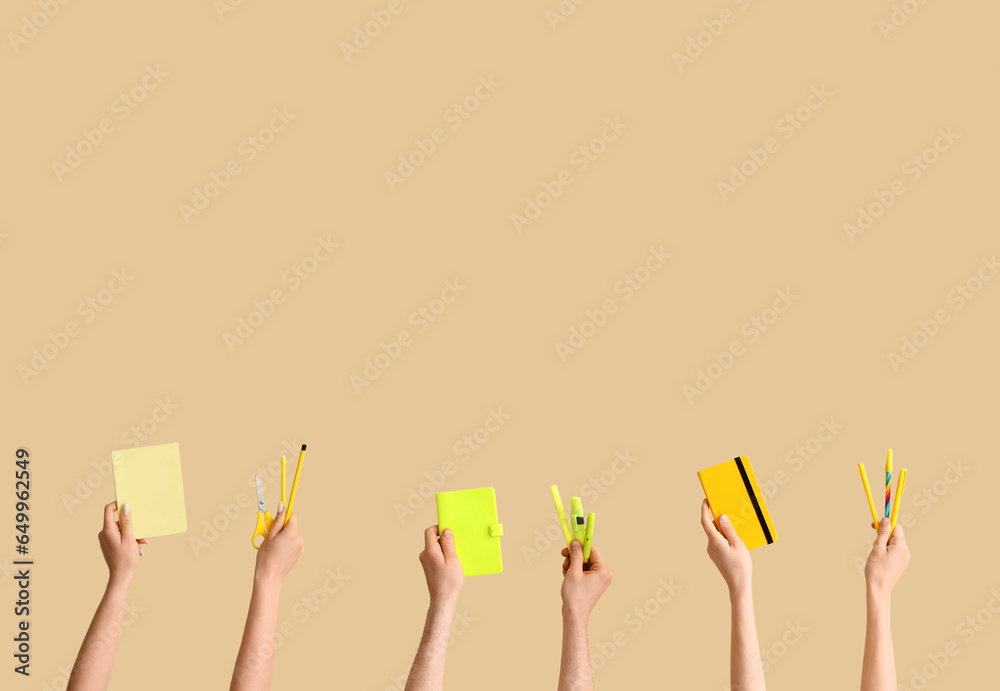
[118,544]
[280,549]
[888,559]
[727,551]
[583,584]
[442,569]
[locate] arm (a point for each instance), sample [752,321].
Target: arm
[443,572]
[92,669]
[886,563]
[583,585]
[732,559]
[275,558]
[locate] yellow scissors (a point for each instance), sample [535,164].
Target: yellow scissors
[264,519]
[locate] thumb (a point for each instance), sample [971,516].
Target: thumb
[576,556]
[125,522]
[726,526]
[884,528]
[448,545]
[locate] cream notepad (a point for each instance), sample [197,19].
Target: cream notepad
[149,479]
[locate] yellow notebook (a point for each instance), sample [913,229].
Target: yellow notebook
[149,479]
[732,489]
[471,515]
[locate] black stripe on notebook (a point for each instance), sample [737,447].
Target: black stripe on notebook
[753,499]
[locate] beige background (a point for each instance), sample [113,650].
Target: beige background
[162,336]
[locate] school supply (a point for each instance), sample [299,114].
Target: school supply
[731,488]
[471,516]
[149,479]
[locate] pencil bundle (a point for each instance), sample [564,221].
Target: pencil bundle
[900,486]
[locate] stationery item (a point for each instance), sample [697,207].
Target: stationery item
[471,516]
[588,536]
[264,520]
[295,483]
[868,493]
[888,480]
[731,488]
[562,516]
[576,518]
[284,481]
[149,479]
[900,484]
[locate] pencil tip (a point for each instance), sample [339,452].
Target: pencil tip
[303,447]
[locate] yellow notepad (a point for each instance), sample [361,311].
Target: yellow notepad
[732,489]
[149,479]
[471,515]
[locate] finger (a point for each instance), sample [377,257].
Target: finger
[279,522]
[142,541]
[109,515]
[448,545]
[707,520]
[576,556]
[596,560]
[431,540]
[729,531]
[897,537]
[884,526]
[125,521]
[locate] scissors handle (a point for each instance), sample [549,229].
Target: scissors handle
[263,525]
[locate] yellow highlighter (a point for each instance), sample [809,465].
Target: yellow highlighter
[562,516]
[900,484]
[295,483]
[868,492]
[578,524]
[588,536]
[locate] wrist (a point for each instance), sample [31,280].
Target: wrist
[876,593]
[119,581]
[740,592]
[266,581]
[574,617]
[444,603]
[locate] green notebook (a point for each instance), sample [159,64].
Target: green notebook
[471,515]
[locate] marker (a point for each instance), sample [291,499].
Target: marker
[576,519]
[562,516]
[589,535]
[900,484]
[868,493]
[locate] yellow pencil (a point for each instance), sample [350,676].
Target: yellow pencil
[295,483]
[900,484]
[562,515]
[868,493]
[284,481]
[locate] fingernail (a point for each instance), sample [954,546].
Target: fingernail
[125,509]
[575,546]
[723,518]
[446,533]
[281,506]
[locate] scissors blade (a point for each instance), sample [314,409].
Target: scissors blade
[261,504]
